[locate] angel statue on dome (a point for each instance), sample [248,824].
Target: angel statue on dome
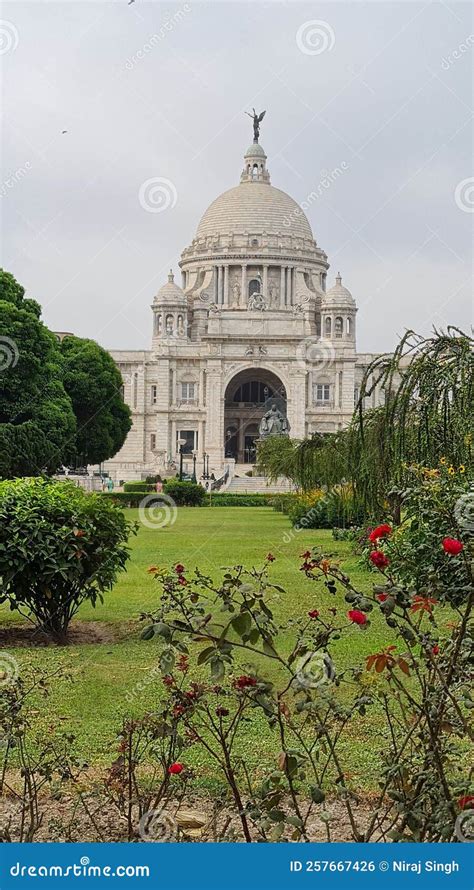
[257,119]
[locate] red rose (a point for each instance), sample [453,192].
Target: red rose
[270,558]
[222,712]
[435,649]
[175,769]
[182,581]
[452,546]
[306,554]
[313,614]
[244,681]
[379,559]
[179,569]
[382,531]
[381,597]
[357,617]
[466,802]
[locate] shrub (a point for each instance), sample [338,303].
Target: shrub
[234,499]
[331,509]
[139,486]
[438,504]
[185,494]
[152,480]
[58,547]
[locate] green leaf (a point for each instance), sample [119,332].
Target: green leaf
[242,623]
[317,794]
[205,654]
[148,633]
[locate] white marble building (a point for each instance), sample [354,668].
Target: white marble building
[253,322]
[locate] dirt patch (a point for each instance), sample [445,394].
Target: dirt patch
[80,633]
[92,818]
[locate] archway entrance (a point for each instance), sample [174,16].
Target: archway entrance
[249,395]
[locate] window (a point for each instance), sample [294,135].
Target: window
[158,324]
[152,442]
[318,324]
[348,327]
[327,326]
[169,324]
[254,392]
[254,286]
[356,395]
[190,441]
[188,392]
[338,327]
[180,324]
[153,394]
[322,393]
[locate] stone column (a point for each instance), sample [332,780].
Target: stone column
[215,415]
[296,404]
[218,276]
[222,286]
[265,280]
[336,390]
[288,286]
[173,447]
[201,388]
[243,286]
[225,300]
[282,287]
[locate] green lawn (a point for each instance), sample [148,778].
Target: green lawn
[93,700]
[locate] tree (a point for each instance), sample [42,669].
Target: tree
[94,385]
[427,415]
[36,416]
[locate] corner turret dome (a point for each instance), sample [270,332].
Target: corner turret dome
[170,293]
[339,294]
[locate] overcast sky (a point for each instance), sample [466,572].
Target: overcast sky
[380,90]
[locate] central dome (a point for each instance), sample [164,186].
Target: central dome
[254,206]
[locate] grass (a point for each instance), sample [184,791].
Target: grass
[111,679]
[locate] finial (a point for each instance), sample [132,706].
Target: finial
[338,278]
[257,119]
[171,276]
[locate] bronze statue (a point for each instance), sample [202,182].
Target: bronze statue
[257,118]
[273,423]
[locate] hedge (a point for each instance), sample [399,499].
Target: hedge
[139,486]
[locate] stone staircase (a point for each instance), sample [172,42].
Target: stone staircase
[258,484]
